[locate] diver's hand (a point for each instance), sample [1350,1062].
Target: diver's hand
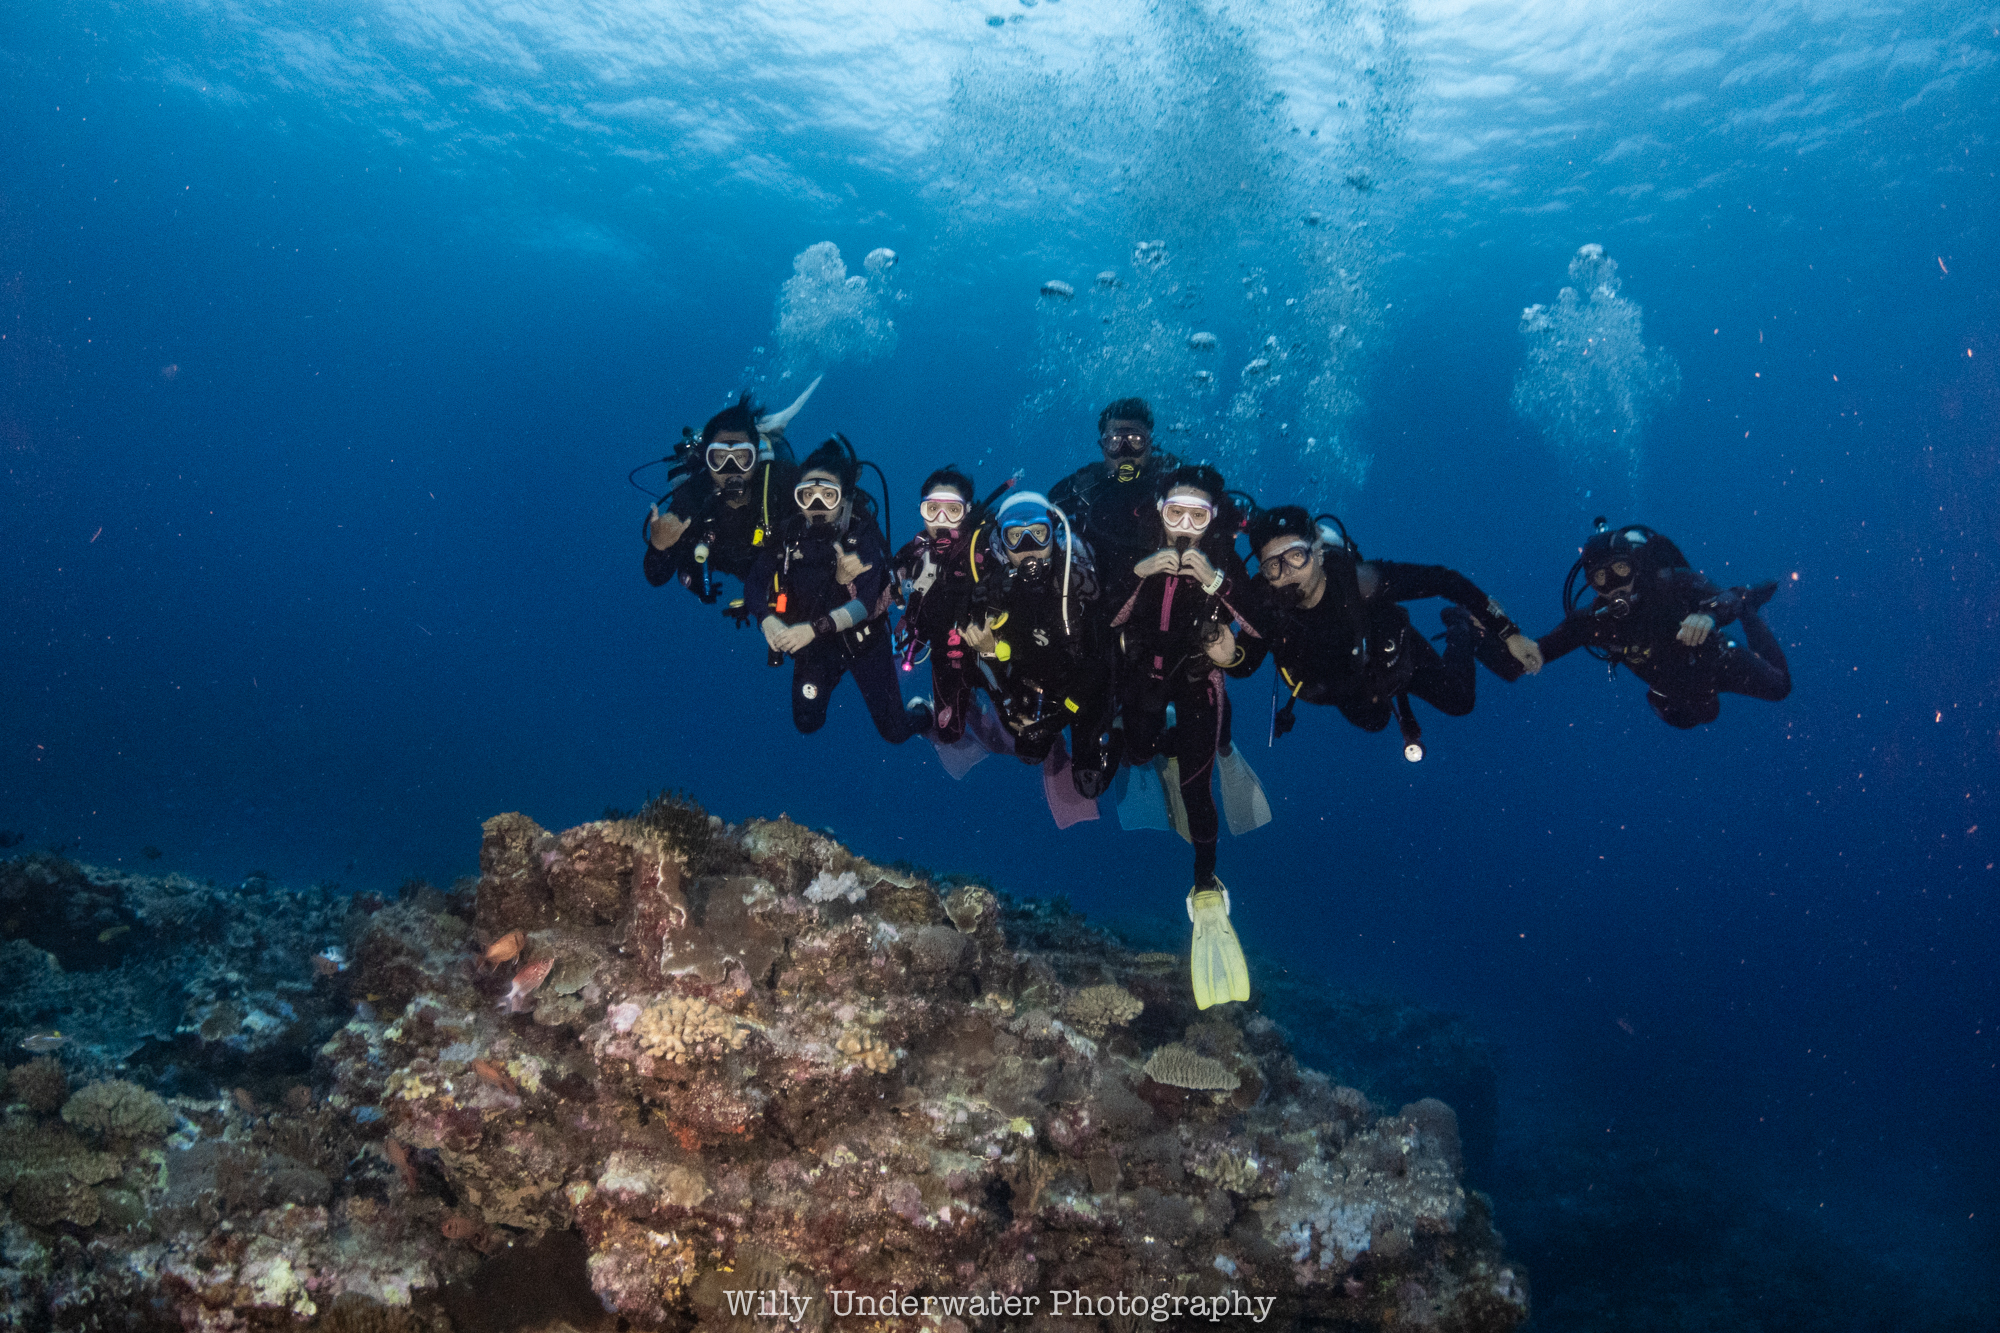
[1196,566]
[1163,561]
[793,638]
[774,630]
[1526,652]
[663,530]
[1222,651]
[979,638]
[1696,629]
[849,567]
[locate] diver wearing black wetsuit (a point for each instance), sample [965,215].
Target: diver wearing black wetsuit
[1174,637]
[820,592]
[1658,617]
[1339,634]
[932,577]
[717,519]
[1111,505]
[1036,629]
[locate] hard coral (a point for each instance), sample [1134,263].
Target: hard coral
[1095,1010]
[40,1085]
[867,1049]
[119,1110]
[682,1028]
[1178,1067]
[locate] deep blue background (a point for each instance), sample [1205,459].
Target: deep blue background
[364,570]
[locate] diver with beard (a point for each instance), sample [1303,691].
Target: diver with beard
[820,593]
[1336,627]
[932,577]
[1175,637]
[1658,616]
[1111,503]
[1042,647]
[730,503]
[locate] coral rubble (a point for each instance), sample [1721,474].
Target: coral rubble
[659,1063]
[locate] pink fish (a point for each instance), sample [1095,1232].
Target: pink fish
[525,982]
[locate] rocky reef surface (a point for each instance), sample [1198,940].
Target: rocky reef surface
[661,1073]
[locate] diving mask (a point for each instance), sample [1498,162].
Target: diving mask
[1186,514]
[821,496]
[1027,536]
[943,509]
[731,457]
[1292,558]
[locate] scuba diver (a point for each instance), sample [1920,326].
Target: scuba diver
[1111,502]
[820,593]
[1336,626]
[1174,637]
[1658,616]
[737,477]
[932,578]
[1042,652]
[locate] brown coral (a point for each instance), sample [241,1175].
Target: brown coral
[867,1049]
[683,1027]
[1095,1010]
[41,1085]
[1178,1067]
[119,1110]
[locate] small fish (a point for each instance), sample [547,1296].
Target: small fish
[111,933]
[505,949]
[244,1100]
[525,982]
[43,1042]
[457,1226]
[330,962]
[1628,1028]
[489,1072]
[399,1157]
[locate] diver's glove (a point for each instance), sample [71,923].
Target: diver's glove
[849,567]
[1165,561]
[1222,648]
[1196,566]
[774,631]
[1526,651]
[1696,629]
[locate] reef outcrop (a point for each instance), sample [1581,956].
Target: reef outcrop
[731,1070]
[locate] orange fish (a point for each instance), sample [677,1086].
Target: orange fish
[492,1073]
[399,1157]
[505,949]
[457,1226]
[525,982]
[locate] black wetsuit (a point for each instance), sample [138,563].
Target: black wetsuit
[720,538]
[1358,652]
[1683,682]
[1163,628]
[795,580]
[933,579]
[1056,672]
[1118,520]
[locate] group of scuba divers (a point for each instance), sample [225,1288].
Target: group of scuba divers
[1112,607]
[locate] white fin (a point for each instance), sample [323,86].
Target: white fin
[777,421]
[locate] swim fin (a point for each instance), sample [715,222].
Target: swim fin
[1243,801]
[1066,803]
[959,756]
[774,423]
[1216,962]
[1170,784]
[1140,801]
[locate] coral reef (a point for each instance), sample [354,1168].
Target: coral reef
[744,1060]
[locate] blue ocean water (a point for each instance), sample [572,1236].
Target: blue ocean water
[328,333]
